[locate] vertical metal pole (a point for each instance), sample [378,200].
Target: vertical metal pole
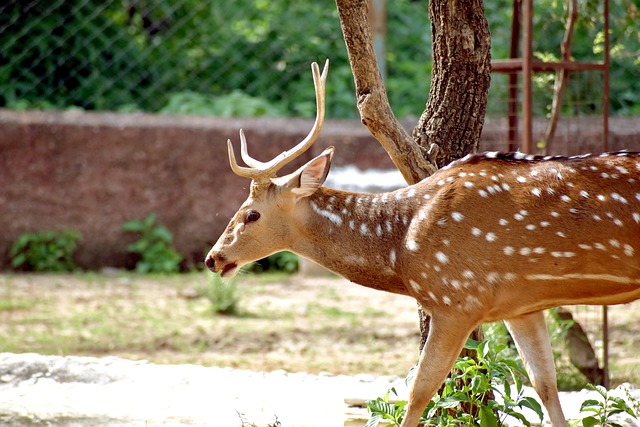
[605,96]
[527,76]
[512,132]
[605,346]
[605,147]
[378,22]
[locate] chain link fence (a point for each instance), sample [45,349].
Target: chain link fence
[251,57]
[240,58]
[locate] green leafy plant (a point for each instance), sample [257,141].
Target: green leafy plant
[285,262]
[234,104]
[603,408]
[491,375]
[45,251]
[153,246]
[222,294]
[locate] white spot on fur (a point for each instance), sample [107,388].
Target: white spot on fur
[617,197]
[457,216]
[412,245]
[492,277]
[442,257]
[415,285]
[331,216]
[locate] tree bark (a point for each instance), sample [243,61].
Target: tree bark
[454,114]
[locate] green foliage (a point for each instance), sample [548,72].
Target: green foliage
[60,54]
[235,104]
[603,408]
[153,245]
[480,380]
[285,262]
[45,251]
[222,294]
[191,57]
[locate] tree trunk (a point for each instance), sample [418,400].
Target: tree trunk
[460,78]
[451,124]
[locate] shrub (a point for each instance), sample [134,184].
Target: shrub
[153,246]
[45,251]
[223,295]
[285,262]
[603,408]
[480,378]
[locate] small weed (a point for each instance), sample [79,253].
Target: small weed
[223,295]
[245,423]
[153,245]
[45,251]
[15,305]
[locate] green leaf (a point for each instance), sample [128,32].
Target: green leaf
[587,404]
[487,417]
[18,260]
[373,420]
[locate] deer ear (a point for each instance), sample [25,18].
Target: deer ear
[308,178]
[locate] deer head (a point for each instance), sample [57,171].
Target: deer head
[263,223]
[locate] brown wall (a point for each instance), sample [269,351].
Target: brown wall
[92,172]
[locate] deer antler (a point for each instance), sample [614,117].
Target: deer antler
[263,171]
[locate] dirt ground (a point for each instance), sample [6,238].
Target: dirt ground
[291,323]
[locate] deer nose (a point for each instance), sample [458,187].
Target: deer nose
[210,263]
[212,259]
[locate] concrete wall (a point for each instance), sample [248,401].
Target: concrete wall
[92,172]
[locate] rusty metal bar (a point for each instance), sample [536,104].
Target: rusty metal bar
[512,131]
[517,65]
[527,76]
[605,95]
[605,147]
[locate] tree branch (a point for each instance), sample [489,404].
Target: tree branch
[375,112]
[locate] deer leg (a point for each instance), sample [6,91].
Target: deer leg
[532,340]
[444,343]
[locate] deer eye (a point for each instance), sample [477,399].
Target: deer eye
[252,216]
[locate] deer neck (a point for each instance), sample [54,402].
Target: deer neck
[356,235]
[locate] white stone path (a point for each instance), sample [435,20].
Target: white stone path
[84,391]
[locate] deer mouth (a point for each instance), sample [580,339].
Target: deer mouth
[229,270]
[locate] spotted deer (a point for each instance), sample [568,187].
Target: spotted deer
[493,236]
